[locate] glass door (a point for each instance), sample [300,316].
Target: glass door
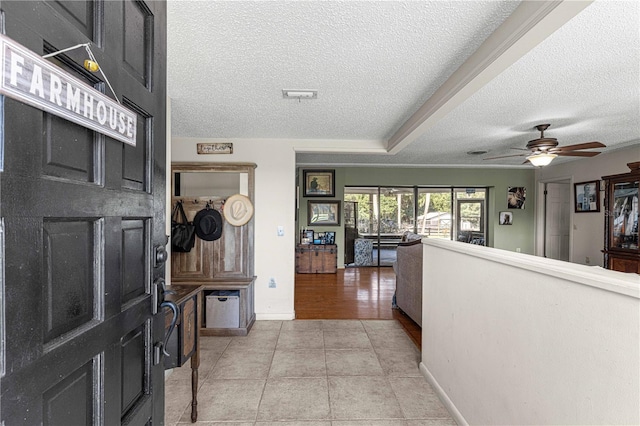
[625,214]
[365,214]
[470,215]
[434,216]
[396,215]
[383,214]
[350,230]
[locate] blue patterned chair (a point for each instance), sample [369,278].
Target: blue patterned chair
[363,252]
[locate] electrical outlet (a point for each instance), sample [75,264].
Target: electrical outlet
[517,249]
[272,282]
[280,231]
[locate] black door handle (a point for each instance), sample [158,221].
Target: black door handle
[174,319]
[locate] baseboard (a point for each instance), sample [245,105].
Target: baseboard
[449,405]
[276,317]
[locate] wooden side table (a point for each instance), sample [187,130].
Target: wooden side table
[184,343]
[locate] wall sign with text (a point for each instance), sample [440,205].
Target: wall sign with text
[28,78]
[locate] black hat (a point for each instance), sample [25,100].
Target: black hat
[208,223]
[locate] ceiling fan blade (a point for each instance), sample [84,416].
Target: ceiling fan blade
[586,145]
[506,156]
[576,153]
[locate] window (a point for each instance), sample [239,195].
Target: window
[385,213]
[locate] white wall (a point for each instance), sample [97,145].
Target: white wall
[274,205]
[587,233]
[516,339]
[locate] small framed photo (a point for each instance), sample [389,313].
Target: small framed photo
[587,196]
[319,183]
[306,236]
[516,196]
[323,213]
[324,238]
[506,218]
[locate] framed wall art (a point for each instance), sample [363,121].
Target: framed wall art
[323,213]
[506,218]
[516,196]
[587,196]
[319,183]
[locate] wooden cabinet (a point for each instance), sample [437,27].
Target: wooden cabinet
[621,252]
[316,258]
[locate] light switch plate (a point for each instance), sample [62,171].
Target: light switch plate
[280,231]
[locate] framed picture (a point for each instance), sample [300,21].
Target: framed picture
[306,236]
[324,213]
[506,218]
[516,196]
[324,238]
[587,196]
[319,183]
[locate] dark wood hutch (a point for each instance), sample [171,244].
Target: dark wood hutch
[621,252]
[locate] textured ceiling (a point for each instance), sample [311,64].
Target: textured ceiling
[375,63]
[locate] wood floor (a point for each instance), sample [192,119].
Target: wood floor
[351,293]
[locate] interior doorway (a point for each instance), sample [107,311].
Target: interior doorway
[557,217]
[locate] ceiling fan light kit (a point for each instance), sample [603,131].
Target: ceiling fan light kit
[542,159]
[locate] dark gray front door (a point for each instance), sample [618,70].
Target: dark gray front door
[81,216]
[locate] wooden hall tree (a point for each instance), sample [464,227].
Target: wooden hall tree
[83,223]
[227,263]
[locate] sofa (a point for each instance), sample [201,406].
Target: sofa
[408,269]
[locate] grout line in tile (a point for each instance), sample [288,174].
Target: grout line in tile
[264,388]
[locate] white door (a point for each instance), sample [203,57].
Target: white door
[557,205]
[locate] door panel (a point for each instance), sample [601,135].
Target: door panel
[71,401]
[229,255]
[135,250]
[557,212]
[70,252]
[69,150]
[136,160]
[137,36]
[133,369]
[82,214]
[78,13]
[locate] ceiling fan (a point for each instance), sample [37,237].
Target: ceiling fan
[544,150]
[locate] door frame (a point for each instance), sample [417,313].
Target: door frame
[540,216]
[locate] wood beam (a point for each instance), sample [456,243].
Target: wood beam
[528,26]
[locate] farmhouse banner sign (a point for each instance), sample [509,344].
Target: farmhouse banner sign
[28,78]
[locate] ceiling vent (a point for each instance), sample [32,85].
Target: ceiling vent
[299,94]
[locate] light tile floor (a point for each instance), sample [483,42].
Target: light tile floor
[308,373]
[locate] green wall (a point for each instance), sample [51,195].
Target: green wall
[519,235]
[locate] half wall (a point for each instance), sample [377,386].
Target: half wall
[510,338]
